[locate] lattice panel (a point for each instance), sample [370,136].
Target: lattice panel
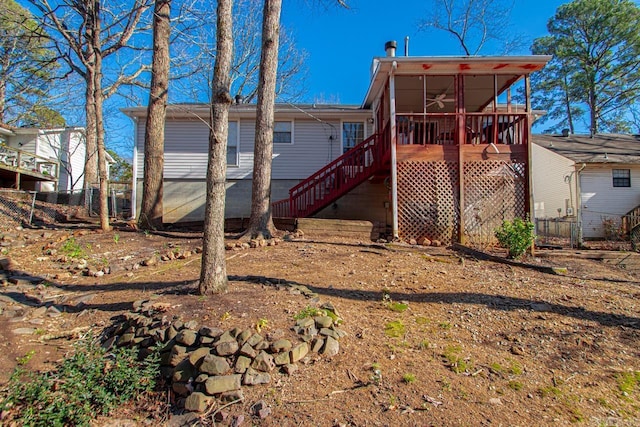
[494,191]
[428,194]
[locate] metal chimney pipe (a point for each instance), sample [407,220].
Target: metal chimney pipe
[406,46]
[390,48]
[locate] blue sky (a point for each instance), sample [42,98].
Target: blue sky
[341,43]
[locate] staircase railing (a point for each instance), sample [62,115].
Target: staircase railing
[631,219]
[631,227]
[336,179]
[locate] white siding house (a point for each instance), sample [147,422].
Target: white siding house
[62,146]
[599,176]
[306,138]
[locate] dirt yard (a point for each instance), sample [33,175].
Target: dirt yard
[435,337]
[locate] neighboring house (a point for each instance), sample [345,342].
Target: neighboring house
[42,159]
[437,150]
[597,180]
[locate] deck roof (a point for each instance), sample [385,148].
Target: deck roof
[508,66]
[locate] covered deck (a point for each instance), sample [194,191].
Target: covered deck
[461,143]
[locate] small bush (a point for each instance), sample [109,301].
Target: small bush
[516,236]
[90,382]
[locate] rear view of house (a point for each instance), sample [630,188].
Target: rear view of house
[437,150]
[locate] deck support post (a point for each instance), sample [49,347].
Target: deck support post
[394,159]
[529,205]
[461,140]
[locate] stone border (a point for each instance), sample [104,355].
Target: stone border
[202,363]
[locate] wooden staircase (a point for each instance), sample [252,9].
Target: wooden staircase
[336,179]
[631,225]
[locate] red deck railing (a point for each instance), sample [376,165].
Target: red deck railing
[480,128]
[336,179]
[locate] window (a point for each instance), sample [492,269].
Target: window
[352,135]
[282,133]
[622,178]
[232,144]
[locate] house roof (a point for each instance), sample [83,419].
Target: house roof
[6,129]
[201,110]
[507,68]
[602,148]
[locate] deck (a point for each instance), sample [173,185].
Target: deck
[21,169]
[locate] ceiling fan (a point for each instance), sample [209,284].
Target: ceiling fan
[439,100]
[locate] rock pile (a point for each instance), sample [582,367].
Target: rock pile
[202,363]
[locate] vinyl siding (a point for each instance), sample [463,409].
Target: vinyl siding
[186,150]
[550,189]
[601,201]
[75,156]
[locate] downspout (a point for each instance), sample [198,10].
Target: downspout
[134,169]
[579,205]
[394,161]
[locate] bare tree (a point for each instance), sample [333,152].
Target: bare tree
[473,23]
[213,274]
[151,208]
[246,62]
[83,41]
[261,221]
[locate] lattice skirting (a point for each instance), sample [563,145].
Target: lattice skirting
[428,195]
[494,191]
[429,199]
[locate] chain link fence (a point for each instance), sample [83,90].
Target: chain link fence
[556,232]
[19,208]
[16,207]
[118,201]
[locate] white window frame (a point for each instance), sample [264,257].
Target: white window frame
[620,178]
[364,131]
[236,145]
[290,131]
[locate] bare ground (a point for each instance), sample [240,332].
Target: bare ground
[480,342]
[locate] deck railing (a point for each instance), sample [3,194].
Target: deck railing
[335,179]
[479,128]
[26,162]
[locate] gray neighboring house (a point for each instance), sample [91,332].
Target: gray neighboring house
[596,180]
[306,138]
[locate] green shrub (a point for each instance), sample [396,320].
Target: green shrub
[90,382]
[516,236]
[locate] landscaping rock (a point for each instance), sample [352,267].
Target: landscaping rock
[197,402]
[331,347]
[221,384]
[214,365]
[263,362]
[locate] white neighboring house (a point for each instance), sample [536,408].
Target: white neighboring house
[58,152]
[595,179]
[306,138]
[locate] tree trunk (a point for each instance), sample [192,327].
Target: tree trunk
[98,99]
[593,111]
[213,274]
[91,155]
[567,102]
[152,187]
[261,221]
